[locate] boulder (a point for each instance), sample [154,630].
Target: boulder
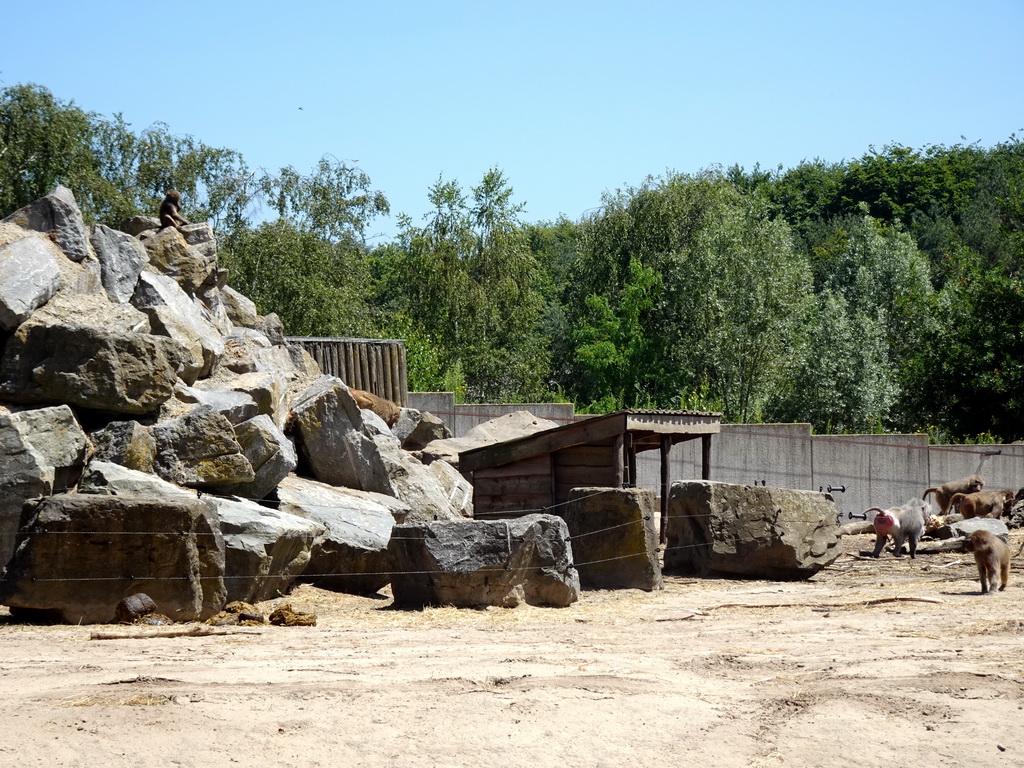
[265,549]
[417,429]
[457,488]
[127,443]
[353,553]
[79,555]
[171,255]
[136,225]
[333,447]
[234,405]
[266,388]
[29,277]
[474,563]
[964,528]
[614,538]
[1016,517]
[497,430]
[199,450]
[241,309]
[413,483]
[122,259]
[174,313]
[57,214]
[749,531]
[89,366]
[270,453]
[42,451]
[112,479]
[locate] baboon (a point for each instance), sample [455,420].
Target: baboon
[905,523]
[991,554]
[983,504]
[944,492]
[170,210]
[386,409]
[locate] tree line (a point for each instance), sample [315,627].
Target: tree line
[877,294]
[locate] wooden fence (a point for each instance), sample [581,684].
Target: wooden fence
[374,365]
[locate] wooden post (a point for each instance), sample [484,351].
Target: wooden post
[618,465]
[629,457]
[705,457]
[666,483]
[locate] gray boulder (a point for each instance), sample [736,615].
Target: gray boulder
[265,549]
[474,563]
[122,259]
[170,255]
[174,313]
[42,451]
[79,555]
[127,443]
[614,539]
[92,366]
[29,277]
[241,309]
[57,214]
[755,532]
[199,450]
[456,488]
[136,225]
[108,478]
[964,528]
[270,453]
[268,389]
[234,405]
[417,429]
[353,553]
[333,447]
[413,483]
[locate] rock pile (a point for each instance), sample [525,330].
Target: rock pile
[158,435]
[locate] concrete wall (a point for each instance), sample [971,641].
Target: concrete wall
[875,470]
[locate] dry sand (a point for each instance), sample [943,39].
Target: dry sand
[712,672]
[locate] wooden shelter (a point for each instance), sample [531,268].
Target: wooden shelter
[533,473]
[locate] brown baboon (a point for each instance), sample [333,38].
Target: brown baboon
[386,409]
[170,210]
[901,523]
[991,554]
[945,492]
[983,504]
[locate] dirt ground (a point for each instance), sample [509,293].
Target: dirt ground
[871,663]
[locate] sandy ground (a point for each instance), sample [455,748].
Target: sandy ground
[829,672]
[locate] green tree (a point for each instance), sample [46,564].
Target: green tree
[728,321]
[468,282]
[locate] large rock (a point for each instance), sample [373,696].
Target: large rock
[473,563]
[614,540]
[122,259]
[79,555]
[353,554]
[57,214]
[333,446]
[199,450]
[127,443]
[458,489]
[270,453]
[266,549]
[241,309]
[29,277]
[268,389]
[417,429]
[234,405]
[413,483]
[173,313]
[497,430]
[105,477]
[89,366]
[756,532]
[170,255]
[42,451]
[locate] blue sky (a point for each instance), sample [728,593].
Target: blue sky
[568,99]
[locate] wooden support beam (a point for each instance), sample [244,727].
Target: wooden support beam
[666,482]
[705,457]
